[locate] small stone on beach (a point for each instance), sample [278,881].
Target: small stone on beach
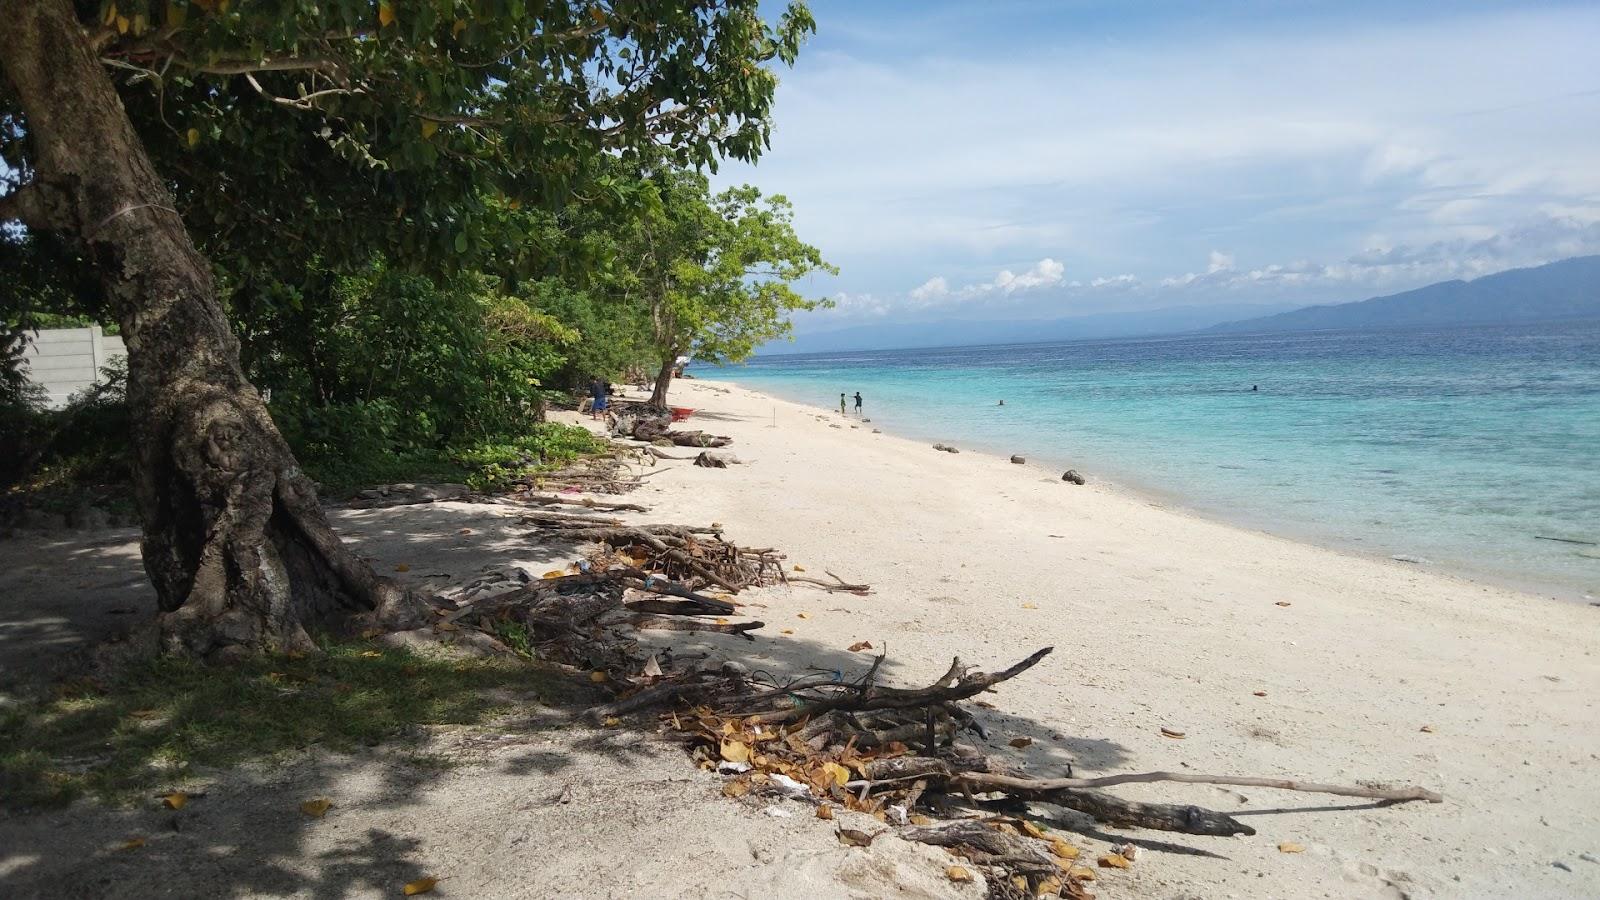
[1072,476]
[1018,460]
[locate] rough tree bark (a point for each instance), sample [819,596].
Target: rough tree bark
[658,397]
[234,540]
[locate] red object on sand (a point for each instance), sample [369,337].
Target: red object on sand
[679,413]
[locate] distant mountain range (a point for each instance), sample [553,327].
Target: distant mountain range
[1569,289]
[960,332]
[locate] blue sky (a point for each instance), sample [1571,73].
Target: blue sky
[1028,159]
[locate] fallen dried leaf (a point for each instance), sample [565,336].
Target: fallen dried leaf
[555,573]
[316,808]
[803,615]
[1428,729]
[855,838]
[1282,603]
[133,843]
[825,811]
[1129,852]
[920,819]
[1173,733]
[598,676]
[1113,861]
[1020,742]
[1063,849]
[735,751]
[1032,830]
[1260,693]
[736,789]
[1020,883]
[788,631]
[371,654]
[652,667]
[1030,606]
[799,568]
[839,773]
[1048,887]
[446,626]
[1291,847]
[958,874]
[1082,873]
[465,531]
[722,621]
[175,800]
[420,886]
[859,646]
[402,568]
[611,722]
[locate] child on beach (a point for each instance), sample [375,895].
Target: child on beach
[841,403]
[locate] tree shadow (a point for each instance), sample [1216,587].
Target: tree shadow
[247,835]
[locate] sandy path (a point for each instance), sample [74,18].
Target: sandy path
[1162,618]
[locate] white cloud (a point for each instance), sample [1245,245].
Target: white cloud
[932,289]
[1219,262]
[1045,273]
[1114,281]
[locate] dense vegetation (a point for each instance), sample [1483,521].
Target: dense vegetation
[410,288]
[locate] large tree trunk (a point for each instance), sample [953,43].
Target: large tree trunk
[658,397]
[234,539]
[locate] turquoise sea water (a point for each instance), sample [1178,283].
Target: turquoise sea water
[1460,447]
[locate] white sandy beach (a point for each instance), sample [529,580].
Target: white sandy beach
[1160,618]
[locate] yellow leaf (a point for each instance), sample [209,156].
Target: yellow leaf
[555,573]
[802,615]
[1291,847]
[1114,861]
[956,873]
[824,811]
[1082,873]
[420,886]
[371,654]
[1020,883]
[919,819]
[111,14]
[736,789]
[735,751]
[386,18]
[316,808]
[1032,830]
[177,13]
[429,128]
[175,800]
[799,568]
[122,24]
[788,631]
[1063,849]
[131,844]
[612,722]
[1048,887]
[839,773]
[402,568]
[722,621]
[1030,606]
[457,27]
[598,676]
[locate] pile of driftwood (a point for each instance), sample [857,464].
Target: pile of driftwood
[837,742]
[653,426]
[698,556]
[893,753]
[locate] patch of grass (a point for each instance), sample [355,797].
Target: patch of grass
[487,465]
[159,719]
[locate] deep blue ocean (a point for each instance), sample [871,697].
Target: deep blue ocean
[1462,447]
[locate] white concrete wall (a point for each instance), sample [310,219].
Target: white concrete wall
[67,360]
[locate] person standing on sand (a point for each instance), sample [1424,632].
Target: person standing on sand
[841,403]
[598,390]
[858,403]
